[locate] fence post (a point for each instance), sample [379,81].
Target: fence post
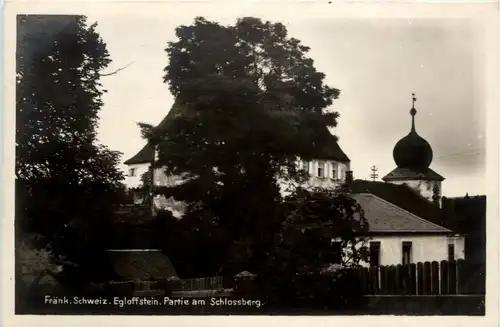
[406,279]
[363,272]
[413,279]
[369,285]
[462,276]
[420,278]
[427,278]
[391,277]
[384,281]
[443,272]
[374,280]
[452,282]
[435,277]
[398,283]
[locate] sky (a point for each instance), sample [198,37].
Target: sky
[377,65]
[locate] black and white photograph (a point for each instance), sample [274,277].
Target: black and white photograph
[227,162]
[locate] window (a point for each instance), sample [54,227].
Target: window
[374,253]
[321,169]
[336,255]
[131,172]
[306,166]
[334,171]
[451,252]
[406,253]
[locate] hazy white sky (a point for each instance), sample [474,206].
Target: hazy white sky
[376,64]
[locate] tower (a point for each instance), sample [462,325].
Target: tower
[413,156]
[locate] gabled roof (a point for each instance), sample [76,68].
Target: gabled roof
[384,216]
[404,197]
[401,174]
[326,147]
[145,155]
[141,264]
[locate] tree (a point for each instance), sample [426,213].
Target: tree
[322,238]
[66,183]
[250,101]
[314,220]
[149,133]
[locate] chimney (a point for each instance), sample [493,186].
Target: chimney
[348,177]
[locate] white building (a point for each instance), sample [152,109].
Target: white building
[403,212]
[400,237]
[327,169]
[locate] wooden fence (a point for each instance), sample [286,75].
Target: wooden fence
[199,284]
[185,285]
[424,278]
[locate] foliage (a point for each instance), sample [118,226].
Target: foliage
[249,101]
[305,263]
[66,183]
[33,262]
[36,270]
[146,186]
[313,218]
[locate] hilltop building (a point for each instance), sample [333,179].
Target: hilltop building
[406,221]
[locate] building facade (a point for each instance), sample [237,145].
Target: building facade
[406,223]
[398,236]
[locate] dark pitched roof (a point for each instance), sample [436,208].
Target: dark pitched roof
[326,147]
[145,155]
[141,264]
[384,216]
[400,174]
[404,197]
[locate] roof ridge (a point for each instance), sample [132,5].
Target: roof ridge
[408,212]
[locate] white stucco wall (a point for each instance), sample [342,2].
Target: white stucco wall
[162,202]
[135,181]
[424,248]
[425,188]
[334,172]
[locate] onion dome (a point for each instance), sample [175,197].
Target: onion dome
[412,151]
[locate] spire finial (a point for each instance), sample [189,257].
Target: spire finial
[413,112]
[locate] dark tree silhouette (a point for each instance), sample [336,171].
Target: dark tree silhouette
[323,236]
[248,102]
[66,183]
